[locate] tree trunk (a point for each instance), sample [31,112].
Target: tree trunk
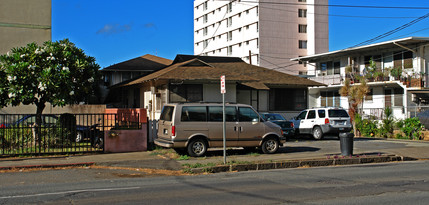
[37,127]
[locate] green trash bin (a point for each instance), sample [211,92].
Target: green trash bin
[346,143]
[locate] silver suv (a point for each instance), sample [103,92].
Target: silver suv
[321,121]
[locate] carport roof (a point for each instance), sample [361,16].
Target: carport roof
[367,48]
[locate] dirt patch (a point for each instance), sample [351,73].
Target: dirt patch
[146,171]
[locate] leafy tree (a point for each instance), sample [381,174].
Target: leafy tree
[355,95]
[56,72]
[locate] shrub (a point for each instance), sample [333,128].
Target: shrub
[386,128]
[412,128]
[366,127]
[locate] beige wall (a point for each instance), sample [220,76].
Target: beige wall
[279,36]
[23,22]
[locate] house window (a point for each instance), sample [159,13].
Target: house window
[126,76]
[302,13]
[329,99]
[330,67]
[302,44]
[302,28]
[337,67]
[369,96]
[186,93]
[282,99]
[403,60]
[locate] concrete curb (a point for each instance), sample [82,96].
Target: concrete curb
[300,163]
[48,166]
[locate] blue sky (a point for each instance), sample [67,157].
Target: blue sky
[115,31]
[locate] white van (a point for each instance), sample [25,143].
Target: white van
[193,127]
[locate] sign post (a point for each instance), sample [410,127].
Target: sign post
[223,91]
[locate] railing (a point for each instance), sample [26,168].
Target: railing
[62,133]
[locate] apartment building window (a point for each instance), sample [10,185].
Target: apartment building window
[302,0]
[205,6]
[229,36]
[302,13]
[257,27]
[205,43]
[205,31]
[302,44]
[229,50]
[229,22]
[302,28]
[205,18]
[229,7]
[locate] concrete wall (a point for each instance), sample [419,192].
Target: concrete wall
[49,109]
[126,140]
[23,22]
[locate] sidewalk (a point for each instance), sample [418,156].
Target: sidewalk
[295,150]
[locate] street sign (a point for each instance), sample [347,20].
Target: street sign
[222,85]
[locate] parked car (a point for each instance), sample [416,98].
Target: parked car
[82,132]
[286,125]
[424,118]
[322,121]
[194,127]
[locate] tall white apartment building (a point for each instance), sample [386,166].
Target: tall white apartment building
[267,33]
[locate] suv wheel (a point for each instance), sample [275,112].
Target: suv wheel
[197,148]
[317,133]
[270,146]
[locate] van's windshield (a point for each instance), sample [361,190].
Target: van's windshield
[167,113]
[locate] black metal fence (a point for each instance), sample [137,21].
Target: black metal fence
[58,134]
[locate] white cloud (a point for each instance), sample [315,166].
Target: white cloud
[114,28]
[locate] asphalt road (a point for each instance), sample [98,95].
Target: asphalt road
[389,183]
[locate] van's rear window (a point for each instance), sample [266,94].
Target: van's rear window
[337,113]
[167,113]
[194,113]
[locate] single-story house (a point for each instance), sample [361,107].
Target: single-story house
[197,78]
[400,79]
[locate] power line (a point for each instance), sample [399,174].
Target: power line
[335,5]
[392,31]
[347,16]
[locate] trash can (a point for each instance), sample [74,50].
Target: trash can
[346,143]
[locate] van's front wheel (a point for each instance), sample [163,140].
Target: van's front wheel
[197,147]
[270,146]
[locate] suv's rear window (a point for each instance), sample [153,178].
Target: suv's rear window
[167,113]
[337,113]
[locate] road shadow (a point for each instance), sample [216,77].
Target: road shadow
[288,149]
